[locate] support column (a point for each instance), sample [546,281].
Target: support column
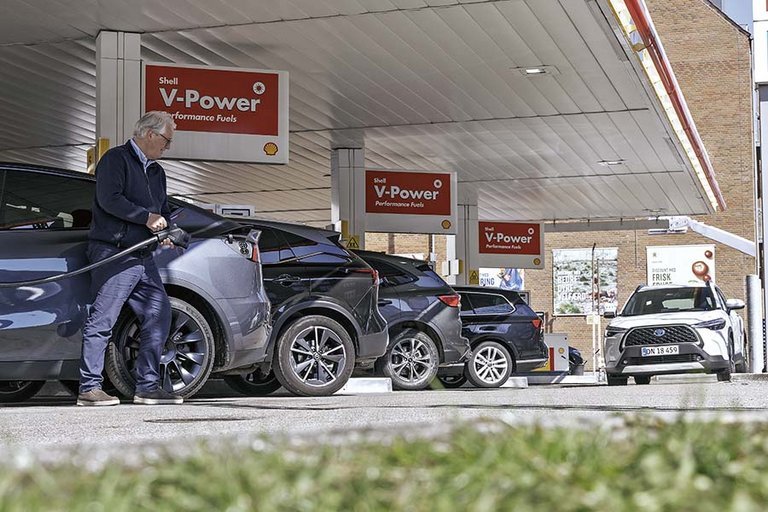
[466,244]
[348,195]
[763,205]
[118,85]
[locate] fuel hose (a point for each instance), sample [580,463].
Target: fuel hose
[175,234]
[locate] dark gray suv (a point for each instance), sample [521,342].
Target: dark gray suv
[221,314]
[422,313]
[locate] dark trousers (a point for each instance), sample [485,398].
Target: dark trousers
[133,279]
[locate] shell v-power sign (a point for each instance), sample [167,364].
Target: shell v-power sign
[226,114]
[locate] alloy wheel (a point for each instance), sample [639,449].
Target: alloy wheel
[490,364]
[411,360]
[317,356]
[184,353]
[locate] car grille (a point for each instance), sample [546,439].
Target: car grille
[677,358]
[671,334]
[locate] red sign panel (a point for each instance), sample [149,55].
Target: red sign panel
[411,193]
[509,238]
[214,100]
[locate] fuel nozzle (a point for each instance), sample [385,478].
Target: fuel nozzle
[175,234]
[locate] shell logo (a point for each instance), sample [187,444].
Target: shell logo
[537,261]
[446,224]
[270,149]
[561,350]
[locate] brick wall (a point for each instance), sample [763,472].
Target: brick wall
[711,59]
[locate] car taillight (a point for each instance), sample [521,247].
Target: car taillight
[374,273]
[255,254]
[450,300]
[536,323]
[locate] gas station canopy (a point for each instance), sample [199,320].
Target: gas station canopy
[546,109]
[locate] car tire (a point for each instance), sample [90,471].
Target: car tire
[642,380]
[742,366]
[490,365]
[724,375]
[19,390]
[411,361]
[187,358]
[616,381]
[314,356]
[452,381]
[254,383]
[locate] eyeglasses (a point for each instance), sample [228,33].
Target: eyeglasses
[167,140]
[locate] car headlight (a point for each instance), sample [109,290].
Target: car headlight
[613,331]
[715,325]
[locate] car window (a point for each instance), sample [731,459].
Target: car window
[720,297]
[312,251]
[390,275]
[669,300]
[466,304]
[30,200]
[490,304]
[272,247]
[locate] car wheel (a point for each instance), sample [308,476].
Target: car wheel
[452,381]
[411,361]
[187,357]
[253,384]
[490,366]
[642,379]
[617,381]
[19,390]
[725,374]
[741,366]
[314,356]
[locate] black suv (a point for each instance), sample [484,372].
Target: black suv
[506,336]
[422,313]
[325,314]
[220,311]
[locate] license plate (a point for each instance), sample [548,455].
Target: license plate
[659,351]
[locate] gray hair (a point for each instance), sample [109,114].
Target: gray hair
[153,121]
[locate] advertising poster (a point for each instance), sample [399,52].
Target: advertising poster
[573,272]
[410,201]
[518,244]
[681,264]
[507,278]
[227,114]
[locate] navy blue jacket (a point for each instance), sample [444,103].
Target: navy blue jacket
[125,196]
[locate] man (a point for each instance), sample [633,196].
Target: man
[129,206]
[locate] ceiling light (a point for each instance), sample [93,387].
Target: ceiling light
[529,71]
[611,162]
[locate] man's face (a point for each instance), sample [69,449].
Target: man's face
[158,142]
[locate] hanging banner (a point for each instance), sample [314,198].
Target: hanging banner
[510,244]
[573,273]
[410,202]
[226,114]
[680,264]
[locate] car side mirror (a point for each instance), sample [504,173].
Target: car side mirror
[732,304]
[609,314]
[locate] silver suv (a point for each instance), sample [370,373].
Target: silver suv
[675,329]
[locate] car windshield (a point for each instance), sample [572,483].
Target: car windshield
[669,300]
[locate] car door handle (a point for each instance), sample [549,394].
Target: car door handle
[287,279]
[384,302]
[488,328]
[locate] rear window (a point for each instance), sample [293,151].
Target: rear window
[391,275]
[273,247]
[490,304]
[313,251]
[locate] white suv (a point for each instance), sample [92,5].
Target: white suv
[675,329]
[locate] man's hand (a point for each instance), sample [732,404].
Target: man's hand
[156,222]
[166,242]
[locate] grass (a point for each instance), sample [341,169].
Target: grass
[646,466]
